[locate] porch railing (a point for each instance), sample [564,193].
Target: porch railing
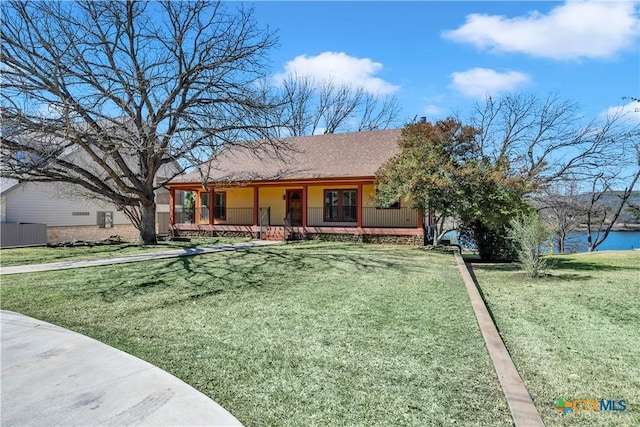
[316,218]
[265,220]
[229,216]
[204,214]
[185,216]
[393,218]
[371,217]
[236,216]
[288,228]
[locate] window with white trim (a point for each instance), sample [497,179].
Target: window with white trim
[105,219]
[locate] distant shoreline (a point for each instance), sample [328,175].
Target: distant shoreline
[616,227]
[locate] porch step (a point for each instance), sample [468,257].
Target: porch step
[274,234]
[277,234]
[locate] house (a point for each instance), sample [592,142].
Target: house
[67,217]
[67,211]
[322,186]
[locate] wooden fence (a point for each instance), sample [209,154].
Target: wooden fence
[15,235]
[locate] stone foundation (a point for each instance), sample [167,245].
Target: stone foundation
[392,236]
[91,232]
[411,240]
[215,233]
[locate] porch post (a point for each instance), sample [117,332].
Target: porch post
[256,204]
[196,203]
[359,206]
[172,206]
[212,194]
[304,206]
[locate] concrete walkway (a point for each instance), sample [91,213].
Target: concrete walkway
[64,265]
[55,377]
[523,410]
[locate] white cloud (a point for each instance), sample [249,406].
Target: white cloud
[480,82]
[629,112]
[574,30]
[432,110]
[341,68]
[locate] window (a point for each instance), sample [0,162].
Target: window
[105,219]
[220,205]
[340,205]
[204,206]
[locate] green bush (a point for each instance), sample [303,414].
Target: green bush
[493,244]
[531,238]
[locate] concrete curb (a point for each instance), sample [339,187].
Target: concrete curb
[65,265]
[523,411]
[52,376]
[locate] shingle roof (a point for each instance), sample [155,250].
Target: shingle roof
[355,154]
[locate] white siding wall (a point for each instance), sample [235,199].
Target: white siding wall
[3,208]
[48,203]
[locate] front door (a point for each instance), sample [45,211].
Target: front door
[294,206]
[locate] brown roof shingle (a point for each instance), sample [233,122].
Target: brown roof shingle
[345,155]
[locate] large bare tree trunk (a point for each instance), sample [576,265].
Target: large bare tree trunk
[148,224]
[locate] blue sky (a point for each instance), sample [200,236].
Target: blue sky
[439,57]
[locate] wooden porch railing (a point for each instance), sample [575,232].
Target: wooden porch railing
[371,217]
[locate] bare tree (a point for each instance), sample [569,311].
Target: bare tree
[562,208]
[591,177]
[130,86]
[547,139]
[600,217]
[378,112]
[312,107]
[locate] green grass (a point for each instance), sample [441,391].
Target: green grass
[43,254]
[574,334]
[304,334]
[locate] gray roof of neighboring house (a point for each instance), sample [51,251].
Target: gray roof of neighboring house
[7,184]
[345,155]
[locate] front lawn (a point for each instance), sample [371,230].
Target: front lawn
[44,254]
[575,334]
[304,334]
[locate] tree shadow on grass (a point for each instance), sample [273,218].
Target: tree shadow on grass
[495,266]
[191,278]
[517,274]
[583,265]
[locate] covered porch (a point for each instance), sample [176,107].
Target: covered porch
[306,208]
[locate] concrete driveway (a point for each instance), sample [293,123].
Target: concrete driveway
[52,376]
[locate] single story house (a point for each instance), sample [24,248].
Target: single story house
[321,186]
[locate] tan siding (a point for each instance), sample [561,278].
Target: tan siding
[273,197]
[368,195]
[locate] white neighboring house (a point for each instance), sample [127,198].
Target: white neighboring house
[70,217]
[69,211]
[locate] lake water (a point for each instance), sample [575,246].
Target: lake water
[617,240]
[577,242]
